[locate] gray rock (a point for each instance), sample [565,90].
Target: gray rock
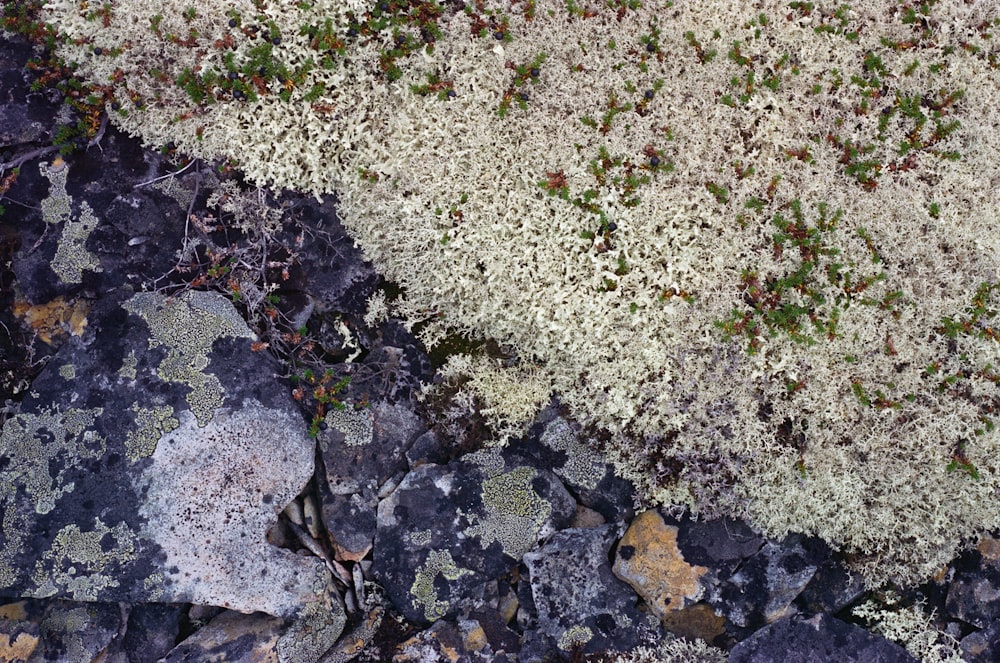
[719,543]
[95,237]
[820,639]
[148,463]
[974,592]
[446,531]
[982,646]
[762,590]
[832,588]
[152,631]
[25,117]
[81,632]
[362,449]
[445,642]
[581,605]
[588,475]
[232,637]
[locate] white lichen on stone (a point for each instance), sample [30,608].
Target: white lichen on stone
[357,426]
[420,538]
[240,469]
[40,448]
[425,596]
[188,325]
[490,461]
[72,256]
[675,650]
[67,371]
[57,206]
[35,443]
[128,367]
[575,636]
[584,466]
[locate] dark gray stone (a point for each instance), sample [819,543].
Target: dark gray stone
[717,543]
[81,632]
[581,605]
[448,530]
[974,593]
[153,629]
[821,639]
[763,588]
[25,116]
[362,449]
[556,444]
[982,646]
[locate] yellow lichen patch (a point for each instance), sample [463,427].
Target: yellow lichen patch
[76,563]
[17,648]
[188,326]
[54,319]
[13,611]
[423,591]
[575,636]
[72,256]
[514,512]
[649,560]
[150,424]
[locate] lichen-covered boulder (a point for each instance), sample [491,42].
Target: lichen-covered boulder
[148,463]
[447,530]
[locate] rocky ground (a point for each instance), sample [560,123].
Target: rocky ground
[215,447]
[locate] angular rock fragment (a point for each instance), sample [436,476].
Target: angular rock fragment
[581,605]
[820,639]
[649,560]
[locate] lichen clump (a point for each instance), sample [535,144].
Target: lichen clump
[753,241]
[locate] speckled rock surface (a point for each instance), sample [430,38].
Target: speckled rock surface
[581,606]
[821,639]
[448,530]
[149,462]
